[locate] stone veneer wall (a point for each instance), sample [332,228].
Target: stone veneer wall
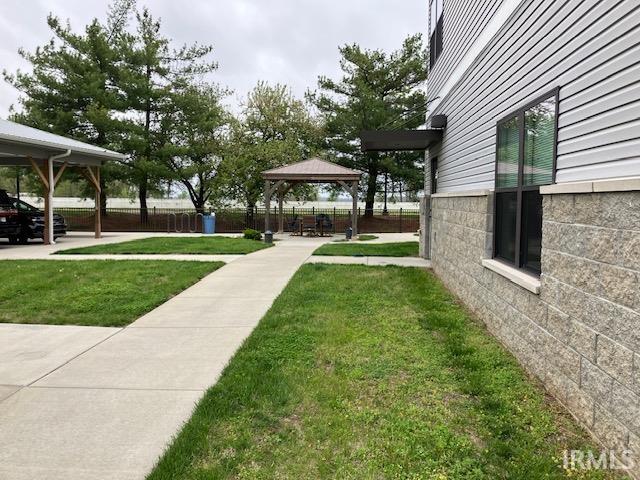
[581,335]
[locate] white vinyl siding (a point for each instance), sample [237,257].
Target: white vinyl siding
[588,48]
[463,22]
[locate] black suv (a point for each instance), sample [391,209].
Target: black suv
[25,221]
[9,221]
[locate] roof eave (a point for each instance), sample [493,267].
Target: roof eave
[55,148]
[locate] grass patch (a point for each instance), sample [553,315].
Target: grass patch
[175,245]
[106,293]
[359,238]
[372,372]
[397,249]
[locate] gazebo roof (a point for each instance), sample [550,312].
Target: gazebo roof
[19,142]
[312,170]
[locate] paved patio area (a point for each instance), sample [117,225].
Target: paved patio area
[102,403]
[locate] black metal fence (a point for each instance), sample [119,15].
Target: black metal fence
[233,220]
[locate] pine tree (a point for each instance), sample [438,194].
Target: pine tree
[377,91]
[69,90]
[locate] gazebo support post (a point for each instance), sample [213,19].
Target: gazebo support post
[267,205]
[280,211]
[268,192]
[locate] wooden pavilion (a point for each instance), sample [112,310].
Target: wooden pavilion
[50,155]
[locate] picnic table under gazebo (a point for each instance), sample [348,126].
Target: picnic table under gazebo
[281,180]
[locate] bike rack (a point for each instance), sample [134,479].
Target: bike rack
[184,214]
[175,222]
[195,222]
[184,226]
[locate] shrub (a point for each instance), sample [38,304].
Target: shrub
[252,234]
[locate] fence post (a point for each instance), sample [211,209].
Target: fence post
[400,219]
[313,210]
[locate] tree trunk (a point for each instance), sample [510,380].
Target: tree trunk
[142,196]
[199,206]
[143,186]
[249,216]
[370,197]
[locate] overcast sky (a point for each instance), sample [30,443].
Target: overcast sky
[286,41]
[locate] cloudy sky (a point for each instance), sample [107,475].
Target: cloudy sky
[286,41]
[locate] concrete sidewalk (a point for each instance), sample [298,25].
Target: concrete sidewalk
[35,250]
[133,256]
[102,403]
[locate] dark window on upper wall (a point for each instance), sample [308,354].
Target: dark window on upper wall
[435,30]
[525,159]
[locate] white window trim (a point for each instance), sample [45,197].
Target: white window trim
[519,277]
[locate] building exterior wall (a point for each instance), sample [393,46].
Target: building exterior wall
[577,326]
[581,334]
[464,21]
[588,48]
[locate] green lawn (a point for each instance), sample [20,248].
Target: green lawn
[359,238]
[106,293]
[372,373]
[175,245]
[398,249]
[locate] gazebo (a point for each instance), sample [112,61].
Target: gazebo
[314,170]
[50,155]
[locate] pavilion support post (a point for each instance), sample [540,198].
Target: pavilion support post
[48,182]
[98,214]
[354,213]
[48,203]
[267,205]
[93,176]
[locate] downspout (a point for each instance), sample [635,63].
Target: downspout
[52,186]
